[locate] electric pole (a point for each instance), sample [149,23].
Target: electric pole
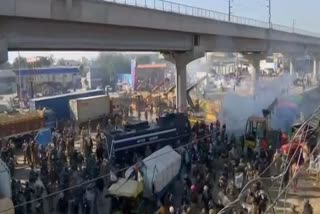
[293,25]
[229,10]
[269,7]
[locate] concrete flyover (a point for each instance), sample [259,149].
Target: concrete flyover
[177,30]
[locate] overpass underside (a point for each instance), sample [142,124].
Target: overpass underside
[43,34]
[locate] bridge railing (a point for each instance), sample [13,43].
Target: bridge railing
[172,7]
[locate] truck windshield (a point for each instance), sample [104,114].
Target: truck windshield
[260,130]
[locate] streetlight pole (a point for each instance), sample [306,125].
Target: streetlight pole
[229,10]
[269,6]
[293,25]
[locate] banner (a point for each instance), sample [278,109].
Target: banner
[124,78]
[133,74]
[33,59]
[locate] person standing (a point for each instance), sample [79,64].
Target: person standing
[307,208]
[62,205]
[146,114]
[294,175]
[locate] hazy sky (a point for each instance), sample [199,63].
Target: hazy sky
[304,12]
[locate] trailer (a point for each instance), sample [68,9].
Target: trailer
[60,103]
[24,125]
[89,108]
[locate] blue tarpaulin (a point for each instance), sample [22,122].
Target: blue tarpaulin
[43,137]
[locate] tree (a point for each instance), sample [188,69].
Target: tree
[85,61]
[61,62]
[146,58]
[84,66]
[83,69]
[111,63]
[20,62]
[42,61]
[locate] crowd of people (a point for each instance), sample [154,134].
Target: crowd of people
[214,172]
[217,170]
[56,167]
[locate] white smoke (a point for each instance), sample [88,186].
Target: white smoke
[236,108]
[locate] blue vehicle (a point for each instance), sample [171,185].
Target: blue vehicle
[173,129]
[59,104]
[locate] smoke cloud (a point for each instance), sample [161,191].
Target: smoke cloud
[236,108]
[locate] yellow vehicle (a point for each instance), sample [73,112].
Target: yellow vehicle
[127,194]
[258,128]
[202,110]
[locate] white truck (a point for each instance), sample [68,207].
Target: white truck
[90,108]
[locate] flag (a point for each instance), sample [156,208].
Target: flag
[43,137]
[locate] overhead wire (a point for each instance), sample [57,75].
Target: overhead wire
[289,164]
[102,176]
[291,159]
[291,180]
[182,146]
[230,205]
[248,183]
[281,175]
[308,158]
[298,132]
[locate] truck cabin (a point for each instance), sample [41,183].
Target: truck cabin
[140,140]
[256,127]
[50,118]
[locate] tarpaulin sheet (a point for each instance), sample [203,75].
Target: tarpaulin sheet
[43,137]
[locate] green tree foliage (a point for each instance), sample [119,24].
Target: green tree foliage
[146,59]
[61,62]
[111,63]
[143,59]
[20,62]
[43,62]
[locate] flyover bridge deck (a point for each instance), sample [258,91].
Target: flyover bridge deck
[173,7]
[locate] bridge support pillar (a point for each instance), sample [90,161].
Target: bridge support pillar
[254,67]
[69,4]
[181,86]
[3,51]
[181,60]
[292,67]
